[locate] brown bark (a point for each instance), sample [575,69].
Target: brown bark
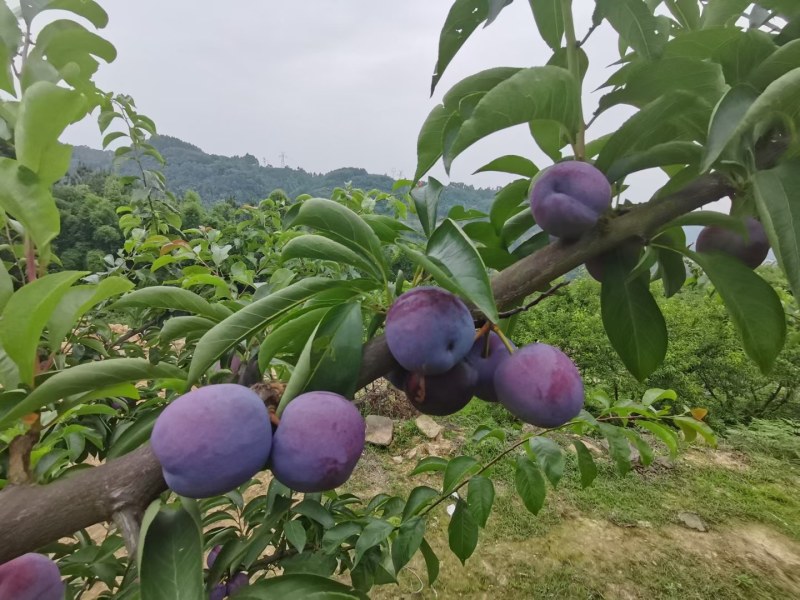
[32,516]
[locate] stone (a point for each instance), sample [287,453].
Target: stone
[397,459]
[692,521]
[379,430]
[428,426]
[411,453]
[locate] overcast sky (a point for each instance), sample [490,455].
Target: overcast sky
[327,83]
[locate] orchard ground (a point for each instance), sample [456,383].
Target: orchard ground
[621,538]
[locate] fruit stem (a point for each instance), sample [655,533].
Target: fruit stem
[506,342]
[573,64]
[483,330]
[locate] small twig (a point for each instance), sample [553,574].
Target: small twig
[133,332]
[128,523]
[532,303]
[588,33]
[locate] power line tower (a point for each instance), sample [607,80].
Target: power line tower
[282,156]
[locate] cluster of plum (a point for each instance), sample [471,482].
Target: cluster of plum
[212,439]
[234,583]
[445,363]
[569,198]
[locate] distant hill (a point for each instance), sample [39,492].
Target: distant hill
[242,178]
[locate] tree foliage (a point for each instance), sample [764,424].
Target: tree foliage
[298,292]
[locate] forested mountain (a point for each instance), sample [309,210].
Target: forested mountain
[243,179]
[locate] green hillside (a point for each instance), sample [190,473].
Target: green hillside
[242,178]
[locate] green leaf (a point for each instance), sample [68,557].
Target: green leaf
[249,320]
[418,498]
[705,218]
[723,12]
[172,298]
[657,123]
[549,456]
[634,22]
[407,542]
[653,395]
[645,451]
[331,358]
[132,437]
[314,511]
[480,497]
[509,201]
[171,566]
[376,532]
[687,12]
[649,81]
[779,63]
[778,100]
[618,446]
[530,484]
[753,305]
[430,464]
[671,270]
[289,336]
[693,424]
[344,226]
[6,286]
[10,33]
[431,139]
[426,201]
[295,534]
[462,532]
[550,21]
[25,315]
[181,327]
[535,93]
[319,247]
[76,302]
[666,154]
[87,377]
[29,201]
[510,163]
[298,587]
[431,561]
[45,111]
[724,122]
[88,9]
[777,194]
[550,136]
[456,265]
[632,320]
[666,435]
[462,20]
[337,535]
[456,470]
[586,466]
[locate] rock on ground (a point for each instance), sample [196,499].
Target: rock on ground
[428,426]
[379,430]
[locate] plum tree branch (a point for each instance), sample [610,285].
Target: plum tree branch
[33,516]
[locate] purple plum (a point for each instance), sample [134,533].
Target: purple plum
[568,198]
[429,330]
[318,442]
[31,577]
[540,385]
[628,252]
[237,582]
[443,394]
[218,592]
[751,251]
[212,555]
[485,356]
[212,439]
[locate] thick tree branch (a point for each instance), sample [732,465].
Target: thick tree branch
[33,516]
[36,515]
